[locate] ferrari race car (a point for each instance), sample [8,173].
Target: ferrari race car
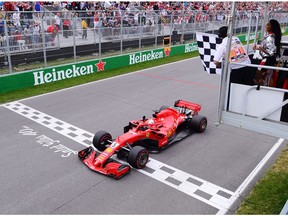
[167,125]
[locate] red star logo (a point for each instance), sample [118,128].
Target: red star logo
[100,66]
[167,51]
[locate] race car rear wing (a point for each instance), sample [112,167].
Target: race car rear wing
[189,105]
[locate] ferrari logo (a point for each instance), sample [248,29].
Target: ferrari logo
[147,134]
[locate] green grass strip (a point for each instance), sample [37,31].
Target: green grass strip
[271,193]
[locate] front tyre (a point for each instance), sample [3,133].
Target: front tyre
[199,123]
[138,157]
[101,139]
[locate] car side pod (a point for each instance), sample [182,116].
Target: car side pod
[111,168]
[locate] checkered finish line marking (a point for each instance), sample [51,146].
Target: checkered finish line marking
[68,130]
[193,186]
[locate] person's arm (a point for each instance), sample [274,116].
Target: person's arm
[219,54]
[259,47]
[270,44]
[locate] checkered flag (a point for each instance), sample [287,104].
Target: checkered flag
[207,44]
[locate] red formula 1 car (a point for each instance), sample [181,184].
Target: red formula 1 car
[167,125]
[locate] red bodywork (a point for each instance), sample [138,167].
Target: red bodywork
[164,127]
[99,163]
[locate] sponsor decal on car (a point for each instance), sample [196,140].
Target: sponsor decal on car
[169,133]
[114,145]
[108,150]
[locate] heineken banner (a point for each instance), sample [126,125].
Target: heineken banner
[53,74]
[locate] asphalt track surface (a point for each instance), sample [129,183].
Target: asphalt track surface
[205,173]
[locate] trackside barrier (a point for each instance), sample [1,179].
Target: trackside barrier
[259,109]
[67,71]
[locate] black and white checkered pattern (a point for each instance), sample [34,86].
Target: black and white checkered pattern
[207,45]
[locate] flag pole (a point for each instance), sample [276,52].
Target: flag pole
[224,82]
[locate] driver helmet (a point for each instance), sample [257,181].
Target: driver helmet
[151,121]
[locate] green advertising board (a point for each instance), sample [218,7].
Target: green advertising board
[243,38]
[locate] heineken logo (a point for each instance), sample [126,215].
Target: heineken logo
[100,65]
[55,75]
[143,57]
[252,37]
[190,48]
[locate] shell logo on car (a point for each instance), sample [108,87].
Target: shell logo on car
[108,150]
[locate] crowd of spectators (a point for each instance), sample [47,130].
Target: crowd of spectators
[20,16]
[177,12]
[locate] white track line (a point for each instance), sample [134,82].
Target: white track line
[251,176]
[193,186]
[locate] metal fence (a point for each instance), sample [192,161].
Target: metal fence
[51,32]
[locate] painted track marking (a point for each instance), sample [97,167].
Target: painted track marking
[202,190]
[251,176]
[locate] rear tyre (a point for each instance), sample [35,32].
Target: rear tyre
[138,157]
[101,140]
[199,123]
